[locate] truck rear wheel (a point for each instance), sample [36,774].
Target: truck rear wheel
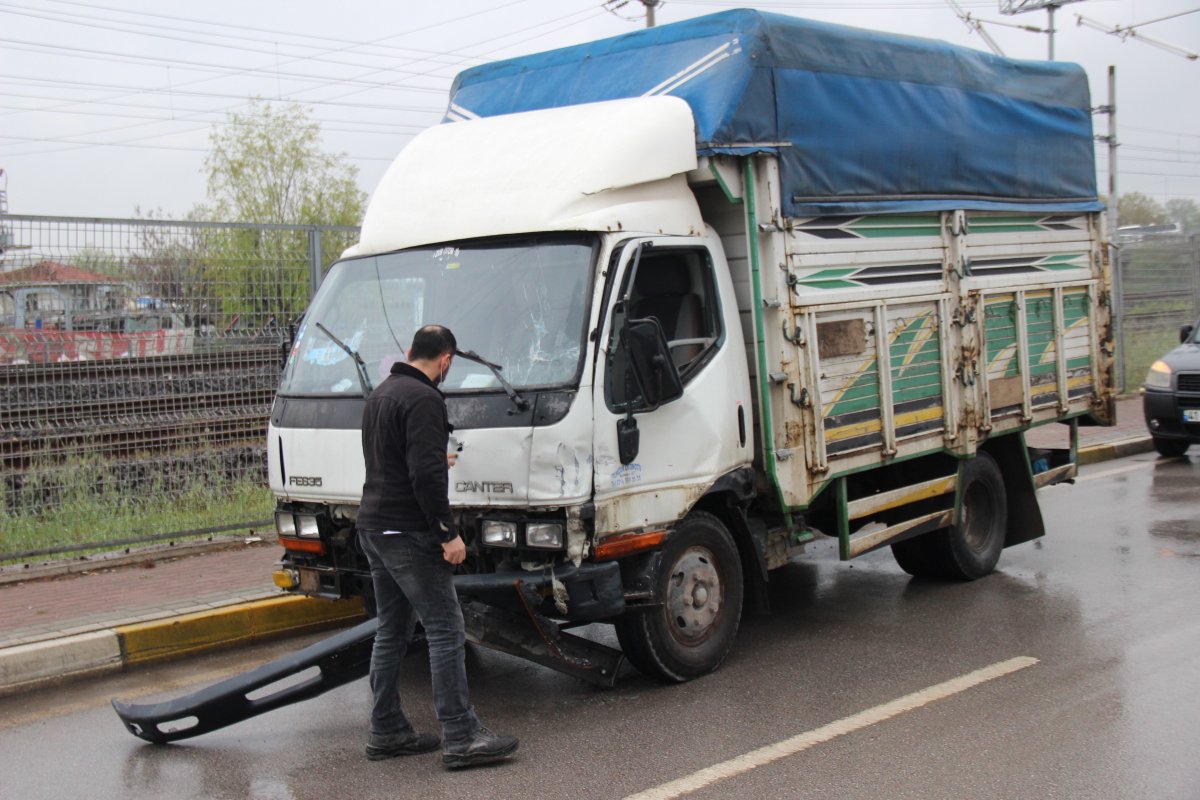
[970,548]
[700,585]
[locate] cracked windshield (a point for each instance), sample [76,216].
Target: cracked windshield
[518,303]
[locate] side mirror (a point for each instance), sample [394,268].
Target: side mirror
[1184,333]
[650,361]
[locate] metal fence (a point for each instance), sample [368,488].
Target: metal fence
[138,363]
[1157,289]
[139,359]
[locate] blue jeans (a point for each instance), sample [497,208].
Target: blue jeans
[413,581]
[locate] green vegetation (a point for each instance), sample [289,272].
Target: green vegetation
[1143,348]
[1135,208]
[89,502]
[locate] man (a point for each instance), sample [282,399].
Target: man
[409,536]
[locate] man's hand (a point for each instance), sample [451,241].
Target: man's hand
[455,550]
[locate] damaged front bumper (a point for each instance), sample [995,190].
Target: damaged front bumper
[502,611]
[584,593]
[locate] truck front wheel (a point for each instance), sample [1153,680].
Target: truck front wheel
[700,588]
[970,548]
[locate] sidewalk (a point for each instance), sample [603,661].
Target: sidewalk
[1127,437]
[109,617]
[104,619]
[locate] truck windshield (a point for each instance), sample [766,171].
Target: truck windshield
[520,303]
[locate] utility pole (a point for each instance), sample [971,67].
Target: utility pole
[612,6]
[650,6]
[1111,139]
[1050,9]
[1011,7]
[1114,250]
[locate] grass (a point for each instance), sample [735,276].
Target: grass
[88,503]
[1141,349]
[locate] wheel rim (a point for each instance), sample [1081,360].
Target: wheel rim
[977,514]
[694,596]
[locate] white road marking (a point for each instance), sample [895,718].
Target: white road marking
[771,753]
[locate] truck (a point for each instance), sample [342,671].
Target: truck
[720,288]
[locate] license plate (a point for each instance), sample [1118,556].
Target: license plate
[1191,415]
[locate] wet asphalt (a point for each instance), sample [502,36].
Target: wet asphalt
[1107,603]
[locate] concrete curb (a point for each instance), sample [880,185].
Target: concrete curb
[1132,446]
[30,666]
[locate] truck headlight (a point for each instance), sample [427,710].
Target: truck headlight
[499,533]
[546,535]
[1159,376]
[285,523]
[306,526]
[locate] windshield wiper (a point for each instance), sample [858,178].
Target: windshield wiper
[363,379]
[470,355]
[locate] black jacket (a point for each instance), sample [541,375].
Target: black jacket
[404,437]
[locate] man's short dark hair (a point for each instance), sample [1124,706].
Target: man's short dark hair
[432,341]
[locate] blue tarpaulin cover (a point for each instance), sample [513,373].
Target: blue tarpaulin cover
[862,121]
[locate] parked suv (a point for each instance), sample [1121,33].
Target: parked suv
[1171,395]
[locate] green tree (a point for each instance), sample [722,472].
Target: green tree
[267,167]
[1186,213]
[1136,208]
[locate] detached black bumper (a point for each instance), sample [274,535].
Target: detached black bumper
[593,591]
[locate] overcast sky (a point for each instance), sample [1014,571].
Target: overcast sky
[106,107]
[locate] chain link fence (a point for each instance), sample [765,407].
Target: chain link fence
[138,363]
[139,360]
[1157,288]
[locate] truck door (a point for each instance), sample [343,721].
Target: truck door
[655,456]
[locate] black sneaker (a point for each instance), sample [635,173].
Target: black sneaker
[409,743]
[484,747]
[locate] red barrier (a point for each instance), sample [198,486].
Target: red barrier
[42,346]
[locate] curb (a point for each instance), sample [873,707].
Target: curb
[1132,446]
[31,666]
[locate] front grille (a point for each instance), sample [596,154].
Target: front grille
[1189,382]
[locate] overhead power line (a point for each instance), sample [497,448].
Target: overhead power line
[115,57]
[219,39]
[145,146]
[538,29]
[1124,32]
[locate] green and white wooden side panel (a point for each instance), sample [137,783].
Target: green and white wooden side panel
[865,256]
[862,292]
[1036,280]
[1008,249]
[875,380]
[1041,351]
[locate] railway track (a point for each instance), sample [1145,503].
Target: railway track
[122,407]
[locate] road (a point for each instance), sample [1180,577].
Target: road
[1081,656]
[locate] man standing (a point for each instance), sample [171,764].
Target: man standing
[409,537]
